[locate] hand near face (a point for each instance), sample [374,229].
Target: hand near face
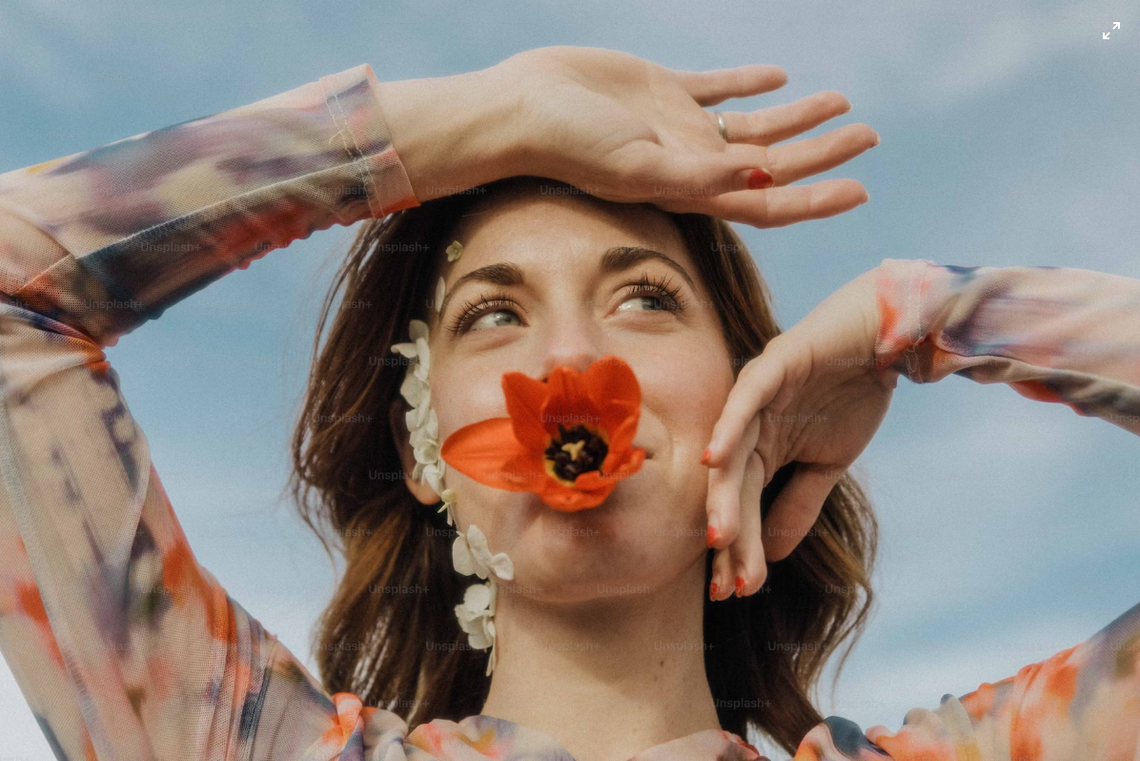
[624,129]
[813,397]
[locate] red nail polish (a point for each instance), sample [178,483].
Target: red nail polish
[712,534]
[759,179]
[714,590]
[739,585]
[706,456]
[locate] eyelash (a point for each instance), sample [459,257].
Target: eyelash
[645,286]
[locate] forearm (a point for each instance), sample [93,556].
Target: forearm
[1052,333]
[457,132]
[105,239]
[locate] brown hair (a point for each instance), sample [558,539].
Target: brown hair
[405,651]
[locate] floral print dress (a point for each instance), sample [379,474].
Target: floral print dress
[126,648]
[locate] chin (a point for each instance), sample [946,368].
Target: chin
[576,556]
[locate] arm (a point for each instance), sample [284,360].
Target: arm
[1054,334]
[1082,703]
[124,646]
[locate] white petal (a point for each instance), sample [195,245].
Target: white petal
[478,541]
[423,353]
[478,597]
[427,451]
[406,349]
[502,566]
[417,416]
[418,329]
[438,294]
[461,556]
[420,437]
[434,478]
[479,641]
[412,389]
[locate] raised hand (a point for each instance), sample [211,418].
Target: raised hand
[624,129]
[813,397]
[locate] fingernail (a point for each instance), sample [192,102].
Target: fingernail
[759,179]
[876,140]
[712,534]
[739,585]
[706,456]
[714,590]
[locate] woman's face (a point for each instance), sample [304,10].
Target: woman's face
[573,304]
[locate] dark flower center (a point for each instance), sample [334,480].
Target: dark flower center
[575,451]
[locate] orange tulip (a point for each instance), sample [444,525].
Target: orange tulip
[568,440]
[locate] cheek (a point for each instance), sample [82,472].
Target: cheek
[689,395]
[462,398]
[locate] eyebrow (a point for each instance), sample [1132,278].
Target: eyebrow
[616,259]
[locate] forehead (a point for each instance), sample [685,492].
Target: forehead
[532,222]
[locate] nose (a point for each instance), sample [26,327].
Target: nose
[571,341]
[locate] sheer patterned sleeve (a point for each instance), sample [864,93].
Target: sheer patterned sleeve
[1082,704]
[123,645]
[1054,334]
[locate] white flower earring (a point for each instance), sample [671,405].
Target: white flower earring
[470,554]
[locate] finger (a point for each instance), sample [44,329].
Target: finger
[748,549]
[723,499]
[771,125]
[681,179]
[803,158]
[711,87]
[777,207]
[737,429]
[797,508]
[719,587]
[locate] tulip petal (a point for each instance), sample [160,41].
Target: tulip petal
[612,386]
[525,400]
[619,440]
[483,450]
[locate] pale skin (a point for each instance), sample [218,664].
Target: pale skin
[599,634]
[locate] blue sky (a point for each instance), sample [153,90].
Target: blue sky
[1010,528]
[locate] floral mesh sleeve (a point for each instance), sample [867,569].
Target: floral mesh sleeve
[124,646]
[1054,334]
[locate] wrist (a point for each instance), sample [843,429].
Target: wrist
[450,132]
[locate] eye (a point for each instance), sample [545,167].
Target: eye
[484,313]
[500,310]
[653,296]
[493,319]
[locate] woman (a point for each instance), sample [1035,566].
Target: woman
[126,647]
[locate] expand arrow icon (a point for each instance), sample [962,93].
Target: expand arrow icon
[1115,25]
